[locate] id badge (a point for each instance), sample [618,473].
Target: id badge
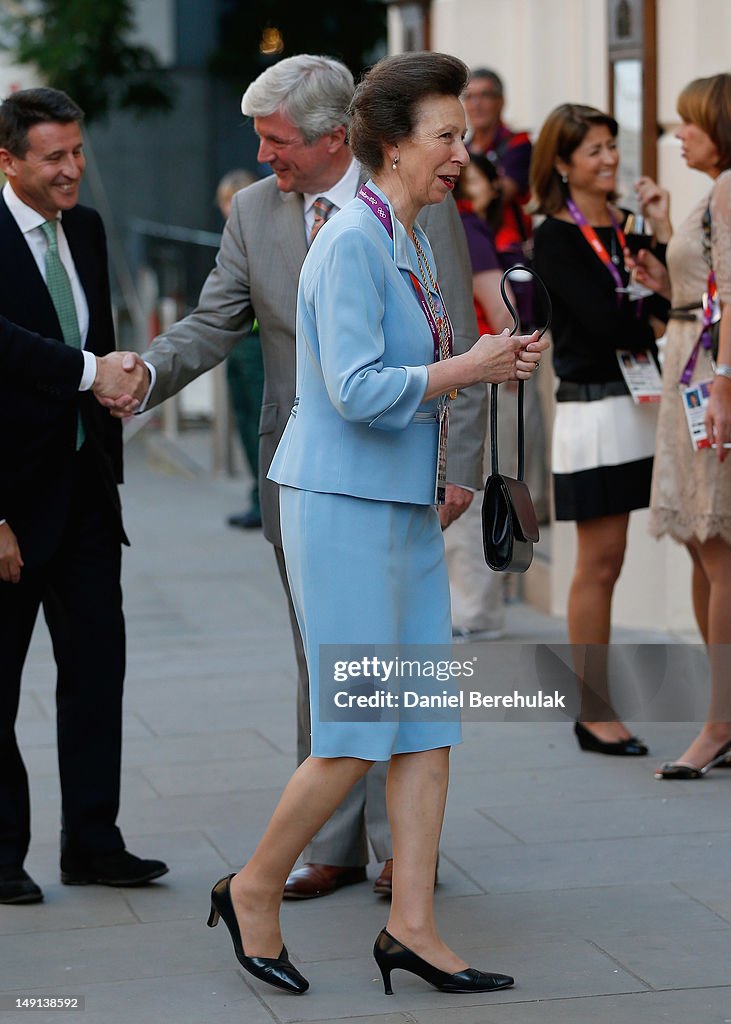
[640,375]
[695,400]
[441,485]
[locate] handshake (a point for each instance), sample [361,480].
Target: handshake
[121,383]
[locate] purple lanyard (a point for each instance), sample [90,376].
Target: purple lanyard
[704,338]
[381,211]
[594,241]
[384,215]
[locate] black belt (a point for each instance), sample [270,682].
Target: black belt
[572,391]
[685,312]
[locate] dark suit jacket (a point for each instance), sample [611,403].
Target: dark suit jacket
[43,364]
[38,420]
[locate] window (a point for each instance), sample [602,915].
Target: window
[633,86]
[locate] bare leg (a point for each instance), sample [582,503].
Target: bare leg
[416,792]
[309,798]
[713,559]
[601,547]
[700,591]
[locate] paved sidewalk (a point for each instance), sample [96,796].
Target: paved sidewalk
[607,894]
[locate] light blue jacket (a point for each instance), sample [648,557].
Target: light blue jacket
[359,425]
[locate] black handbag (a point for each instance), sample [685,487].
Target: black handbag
[509,524]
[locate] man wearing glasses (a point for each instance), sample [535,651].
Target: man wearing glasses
[509,151]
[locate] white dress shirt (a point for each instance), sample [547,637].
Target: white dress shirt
[29,221]
[340,194]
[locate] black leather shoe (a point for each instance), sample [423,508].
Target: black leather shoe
[16,886]
[250,520]
[274,970]
[391,955]
[631,747]
[121,869]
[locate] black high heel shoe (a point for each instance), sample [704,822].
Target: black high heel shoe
[391,955]
[631,747]
[682,770]
[277,971]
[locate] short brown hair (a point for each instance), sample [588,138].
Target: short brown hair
[383,110]
[563,131]
[706,102]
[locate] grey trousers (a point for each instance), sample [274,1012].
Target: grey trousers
[343,839]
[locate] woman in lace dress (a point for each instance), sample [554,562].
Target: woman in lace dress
[691,490]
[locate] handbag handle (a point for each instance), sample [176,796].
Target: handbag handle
[494,458]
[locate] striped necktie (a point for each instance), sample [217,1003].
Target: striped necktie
[323,208]
[59,288]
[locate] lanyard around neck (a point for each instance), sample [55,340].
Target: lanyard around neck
[382,212]
[595,242]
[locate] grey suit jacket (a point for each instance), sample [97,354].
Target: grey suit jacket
[256,275]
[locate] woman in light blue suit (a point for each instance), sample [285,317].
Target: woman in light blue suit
[358,474]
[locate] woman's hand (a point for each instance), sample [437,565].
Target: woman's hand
[649,271]
[493,359]
[718,416]
[655,205]
[718,411]
[497,358]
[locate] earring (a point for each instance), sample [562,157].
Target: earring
[394,162]
[565,179]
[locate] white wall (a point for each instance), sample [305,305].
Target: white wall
[546,51]
[15,76]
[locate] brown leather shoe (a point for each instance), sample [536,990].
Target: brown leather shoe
[313,880]
[383,885]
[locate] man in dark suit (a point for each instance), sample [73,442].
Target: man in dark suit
[60,519]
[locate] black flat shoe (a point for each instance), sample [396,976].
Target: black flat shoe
[391,955]
[683,770]
[277,971]
[631,747]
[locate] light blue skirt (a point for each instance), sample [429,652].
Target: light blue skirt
[365,572]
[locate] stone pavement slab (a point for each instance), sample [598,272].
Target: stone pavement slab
[606,893]
[703,1006]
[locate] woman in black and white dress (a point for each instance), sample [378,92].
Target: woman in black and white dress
[603,442]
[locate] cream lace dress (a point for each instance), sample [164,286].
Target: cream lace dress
[691,491]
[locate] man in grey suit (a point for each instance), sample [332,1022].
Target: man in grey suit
[299,107]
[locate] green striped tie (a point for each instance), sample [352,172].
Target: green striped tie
[59,288]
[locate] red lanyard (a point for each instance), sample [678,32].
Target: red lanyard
[595,242]
[433,327]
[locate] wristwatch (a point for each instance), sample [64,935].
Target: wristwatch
[723,370]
